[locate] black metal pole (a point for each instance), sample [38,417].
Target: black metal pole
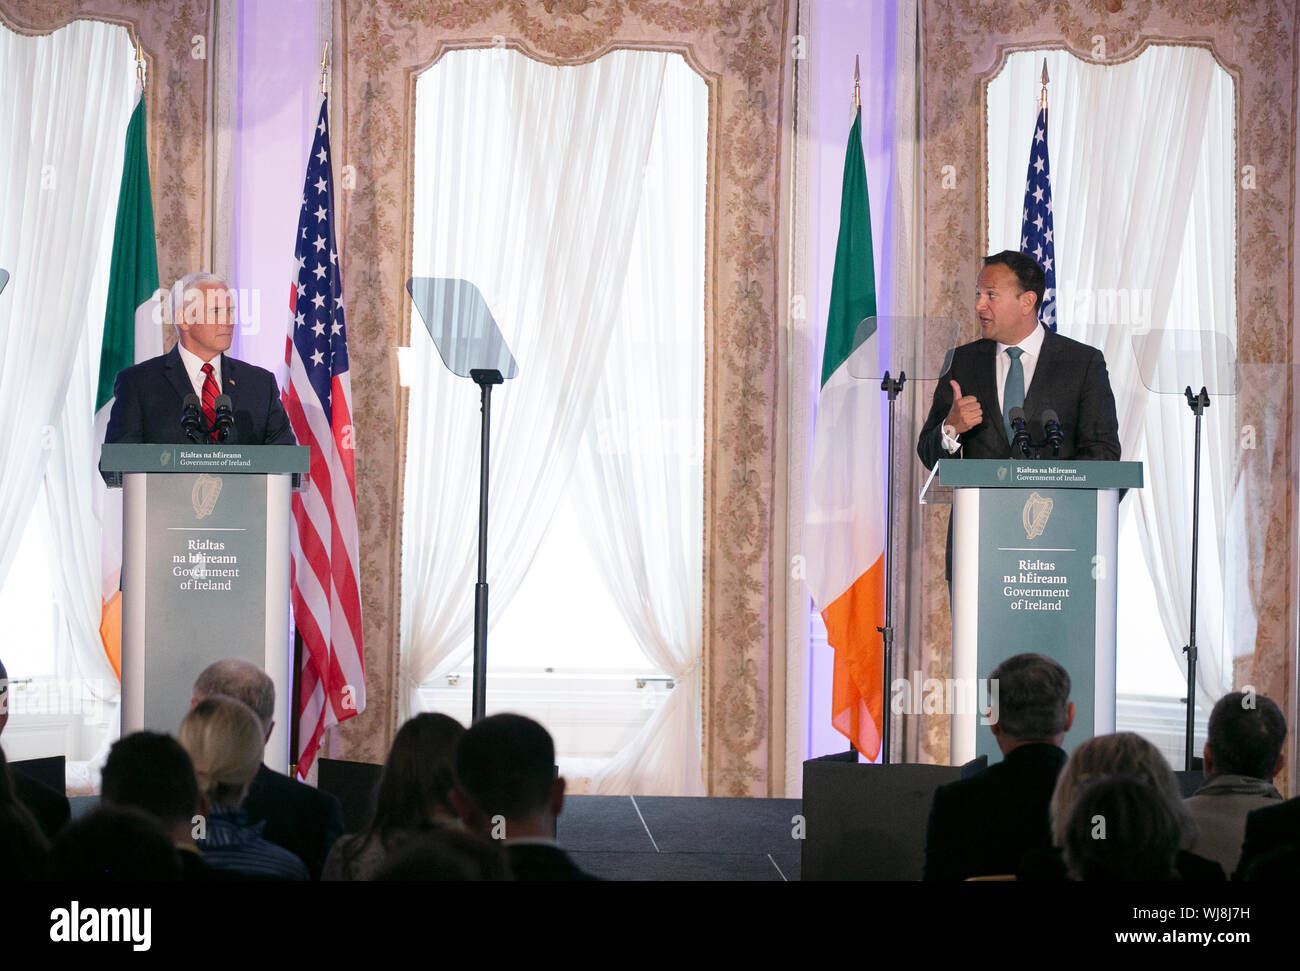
[1198,403]
[893,388]
[484,379]
[481,587]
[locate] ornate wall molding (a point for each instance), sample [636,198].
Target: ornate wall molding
[739,48]
[177,42]
[963,44]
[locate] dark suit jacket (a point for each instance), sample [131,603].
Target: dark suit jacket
[149,398]
[541,861]
[1269,831]
[1070,378]
[303,820]
[984,825]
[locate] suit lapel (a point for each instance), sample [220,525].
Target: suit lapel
[177,376]
[1044,375]
[228,375]
[988,390]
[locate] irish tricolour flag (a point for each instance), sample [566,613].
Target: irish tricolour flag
[132,333]
[845,528]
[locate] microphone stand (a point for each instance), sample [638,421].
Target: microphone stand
[1198,403]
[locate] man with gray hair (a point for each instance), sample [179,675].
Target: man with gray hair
[983,825]
[149,398]
[298,817]
[1242,755]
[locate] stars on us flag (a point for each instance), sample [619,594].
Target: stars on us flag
[319,332]
[1037,231]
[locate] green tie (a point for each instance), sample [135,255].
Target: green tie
[1013,392]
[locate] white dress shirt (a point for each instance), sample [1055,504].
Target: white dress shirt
[1032,346]
[194,368]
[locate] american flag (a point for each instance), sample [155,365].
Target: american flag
[1036,226]
[326,590]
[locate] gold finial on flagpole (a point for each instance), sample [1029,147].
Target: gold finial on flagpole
[857,91]
[139,63]
[1045,80]
[324,68]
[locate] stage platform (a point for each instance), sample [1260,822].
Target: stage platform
[672,838]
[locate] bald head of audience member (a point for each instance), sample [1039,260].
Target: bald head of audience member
[505,770]
[153,772]
[242,681]
[1245,737]
[1033,703]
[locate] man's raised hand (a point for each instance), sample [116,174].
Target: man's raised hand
[966,412]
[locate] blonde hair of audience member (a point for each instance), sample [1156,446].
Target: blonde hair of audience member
[224,739]
[1123,753]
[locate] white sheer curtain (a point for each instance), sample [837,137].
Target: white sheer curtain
[529,181]
[1143,194]
[641,471]
[67,100]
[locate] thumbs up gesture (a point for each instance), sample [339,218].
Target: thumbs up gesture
[965,413]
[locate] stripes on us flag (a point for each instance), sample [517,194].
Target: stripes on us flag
[325,572]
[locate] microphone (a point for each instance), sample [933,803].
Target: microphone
[191,416]
[1052,428]
[225,418]
[1019,432]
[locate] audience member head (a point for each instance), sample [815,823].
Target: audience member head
[1246,733]
[22,844]
[505,766]
[224,740]
[153,772]
[419,774]
[242,681]
[1121,828]
[415,786]
[1033,701]
[1124,753]
[445,854]
[114,843]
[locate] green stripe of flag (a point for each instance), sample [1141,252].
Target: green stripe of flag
[133,275]
[853,287]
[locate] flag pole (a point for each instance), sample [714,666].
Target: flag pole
[324,70]
[1043,101]
[139,64]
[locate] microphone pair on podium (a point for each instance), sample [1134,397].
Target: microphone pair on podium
[1021,439]
[195,426]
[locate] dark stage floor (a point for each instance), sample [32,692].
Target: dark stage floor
[667,838]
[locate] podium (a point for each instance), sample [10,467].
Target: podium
[1034,569]
[205,573]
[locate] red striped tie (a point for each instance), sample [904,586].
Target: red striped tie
[210,392]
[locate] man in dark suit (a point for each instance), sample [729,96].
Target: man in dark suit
[148,398]
[298,817]
[1018,363]
[983,825]
[507,789]
[967,416]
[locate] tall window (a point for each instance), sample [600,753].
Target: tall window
[573,198]
[1144,214]
[66,103]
